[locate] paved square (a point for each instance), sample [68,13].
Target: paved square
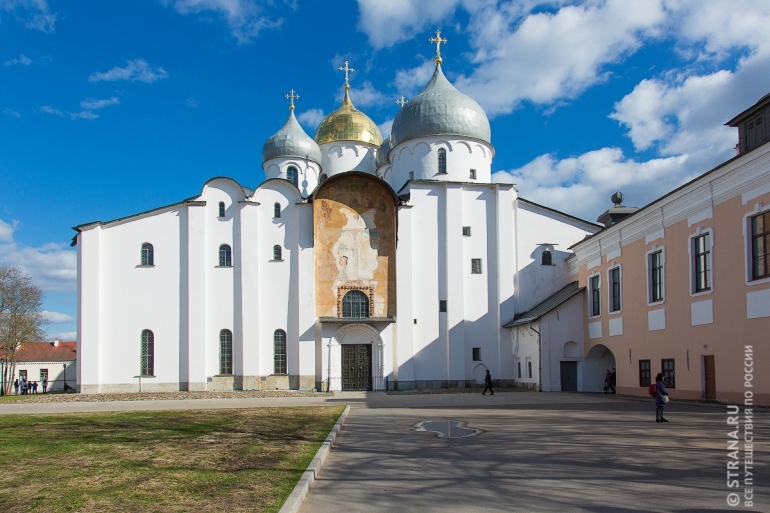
[539,452]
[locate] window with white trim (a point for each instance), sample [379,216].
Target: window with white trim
[595,295]
[475,266]
[221,209]
[147,354]
[277,253]
[292,175]
[277,210]
[760,246]
[655,269]
[279,352]
[441,161]
[148,254]
[701,262]
[225,352]
[615,298]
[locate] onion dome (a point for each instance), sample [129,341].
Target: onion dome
[348,124]
[382,153]
[440,109]
[291,141]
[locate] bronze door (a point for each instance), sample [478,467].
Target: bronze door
[356,367]
[710,375]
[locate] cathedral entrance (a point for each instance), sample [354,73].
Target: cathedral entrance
[356,367]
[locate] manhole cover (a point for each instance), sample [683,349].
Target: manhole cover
[447,428]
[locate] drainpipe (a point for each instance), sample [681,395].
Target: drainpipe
[539,359]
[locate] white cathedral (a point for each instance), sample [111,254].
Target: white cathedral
[358,264]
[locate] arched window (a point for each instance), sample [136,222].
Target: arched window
[221,209]
[277,253]
[225,352]
[225,256]
[291,175]
[279,351]
[322,178]
[147,354]
[277,210]
[441,161]
[546,257]
[148,254]
[355,304]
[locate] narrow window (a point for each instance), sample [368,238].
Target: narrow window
[466,231]
[518,368]
[277,253]
[529,369]
[147,354]
[279,352]
[43,375]
[473,174]
[277,210]
[225,352]
[221,209]
[702,263]
[656,276]
[644,373]
[322,178]
[475,266]
[476,354]
[546,258]
[760,246]
[668,372]
[355,304]
[596,296]
[148,254]
[442,305]
[615,289]
[441,161]
[291,175]
[225,256]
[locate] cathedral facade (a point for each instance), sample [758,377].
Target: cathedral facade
[358,264]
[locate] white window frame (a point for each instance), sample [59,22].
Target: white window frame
[648,260]
[611,268]
[481,266]
[691,257]
[591,314]
[758,209]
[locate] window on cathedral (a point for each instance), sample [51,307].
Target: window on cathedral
[476,354]
[466,231]
[442,305]
[475,266]
[147,354]
[279,352]
[441,161]
[148,254]
[277,210]
[291,175]
[546,258]
[221,209]
[473,174]
[225,256]
[277,253]
[355,304]
[225,352]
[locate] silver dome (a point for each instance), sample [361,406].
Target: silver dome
[291,141]
[382,153]
[440,109]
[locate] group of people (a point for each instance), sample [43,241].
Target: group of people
[28,387]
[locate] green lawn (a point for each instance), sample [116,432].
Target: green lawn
[169,461]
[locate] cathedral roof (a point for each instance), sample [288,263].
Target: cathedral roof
[382,153]
[440,109]
[348,124]
[291,141]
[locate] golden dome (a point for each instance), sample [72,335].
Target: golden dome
[348,124]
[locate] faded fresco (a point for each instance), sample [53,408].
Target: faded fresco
[355,245]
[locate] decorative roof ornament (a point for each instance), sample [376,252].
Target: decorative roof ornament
[402,101]
[291,97]
[438,40]
[347,69]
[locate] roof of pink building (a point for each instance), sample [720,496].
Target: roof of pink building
[47,352]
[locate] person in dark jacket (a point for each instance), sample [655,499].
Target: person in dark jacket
[16,387]
[660,388]
[613,380]
[488,384]
[607,381]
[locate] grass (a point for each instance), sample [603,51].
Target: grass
[168,461]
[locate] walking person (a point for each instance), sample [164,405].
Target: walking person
[16,387]
[661,398]
[488,384]
[45,385]
[613,378]
[607,381]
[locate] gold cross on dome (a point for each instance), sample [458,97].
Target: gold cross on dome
[438,40]
[291,97]
[347,69]
[402,101]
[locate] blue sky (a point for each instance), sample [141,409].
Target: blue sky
[112,108]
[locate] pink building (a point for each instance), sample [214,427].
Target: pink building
[682,285]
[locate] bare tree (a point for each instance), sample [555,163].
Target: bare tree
[21,317]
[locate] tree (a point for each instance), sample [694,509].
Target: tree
[21,317]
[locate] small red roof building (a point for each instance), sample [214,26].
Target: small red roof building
[55,351]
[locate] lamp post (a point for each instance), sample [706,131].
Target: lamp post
[2,376]
[64,377]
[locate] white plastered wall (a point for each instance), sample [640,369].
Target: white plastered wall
[341,156]
[308,172]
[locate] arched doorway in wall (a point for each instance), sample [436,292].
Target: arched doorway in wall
[356,359]
[595,366]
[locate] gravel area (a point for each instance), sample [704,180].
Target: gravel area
[160,396]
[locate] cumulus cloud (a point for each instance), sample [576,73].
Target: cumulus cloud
[244,17]
[311,118]
[388,22]
[57,318]
[50,110]
[83,114]
[385,127]
[135,71]
[411,81]
[10,112]
[35,13]
[52,266]
[21,59]
[365,96]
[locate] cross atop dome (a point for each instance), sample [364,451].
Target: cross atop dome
[402,101]
[291,97]
[438,40]
[347,70]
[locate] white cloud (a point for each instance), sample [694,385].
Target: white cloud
[385,127]
[36,16]
[11,112]
[94,104]
[52,266]
[388,22]
[83,114]
[411,81]
[57,318]
[311,118]
[244,17]
[50,110]
[64,336]
[136,71]
[21,59]
[365,96]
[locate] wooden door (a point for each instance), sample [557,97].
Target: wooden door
[356,366]
[710,375]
